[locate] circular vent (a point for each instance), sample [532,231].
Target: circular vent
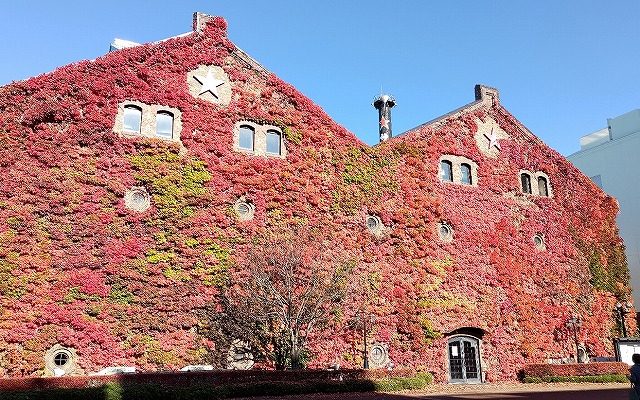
[445,232]
[137,199]
[538,240]
[244,209]
[374,224]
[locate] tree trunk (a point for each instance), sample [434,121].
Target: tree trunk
[295,352]
[280,354]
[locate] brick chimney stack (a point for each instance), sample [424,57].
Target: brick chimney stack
[200,20]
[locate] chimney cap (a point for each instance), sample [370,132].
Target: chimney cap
[384,99]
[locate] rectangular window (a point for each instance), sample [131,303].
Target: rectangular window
[164,124]
[526,183]
[246,138]
[132,119]
[446,171]
[465,174]
[542,187]
[273,142]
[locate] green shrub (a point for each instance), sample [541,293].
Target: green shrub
[610,378]
[419,381]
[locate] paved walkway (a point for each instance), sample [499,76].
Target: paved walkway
[519,391]
[501,391]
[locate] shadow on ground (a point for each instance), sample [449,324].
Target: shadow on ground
[606,394]
[588,394]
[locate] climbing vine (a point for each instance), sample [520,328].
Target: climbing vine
[123,287]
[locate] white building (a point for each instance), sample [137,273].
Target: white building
[610,157]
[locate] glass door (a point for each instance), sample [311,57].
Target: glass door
[464,360]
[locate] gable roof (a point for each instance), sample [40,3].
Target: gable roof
[483,94]
[207,30]
[485,97]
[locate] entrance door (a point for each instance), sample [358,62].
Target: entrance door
[464,360]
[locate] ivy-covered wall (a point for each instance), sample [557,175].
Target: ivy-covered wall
[121,287]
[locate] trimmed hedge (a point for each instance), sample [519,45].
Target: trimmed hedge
[209,378]
[214,390]
[575,370]
[609,378]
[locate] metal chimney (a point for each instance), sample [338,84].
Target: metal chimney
[383,104]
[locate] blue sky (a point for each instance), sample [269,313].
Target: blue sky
[562,67]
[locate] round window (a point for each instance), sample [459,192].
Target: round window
[445,231]
[60,361]
[61,358]
[244,209]
[538,240]
[372,222]
[374,225]
[137,199]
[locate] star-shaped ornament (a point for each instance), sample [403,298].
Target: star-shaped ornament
[384,122]
[209,84]
[493,140]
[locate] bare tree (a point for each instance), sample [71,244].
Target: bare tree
[287,286]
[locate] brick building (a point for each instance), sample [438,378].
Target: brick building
[132,184]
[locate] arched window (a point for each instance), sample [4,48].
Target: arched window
[273,142]
[446,171]
[132,118]
[465,174]
[525,179]
[164,124]
[543,189]
[246,137]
